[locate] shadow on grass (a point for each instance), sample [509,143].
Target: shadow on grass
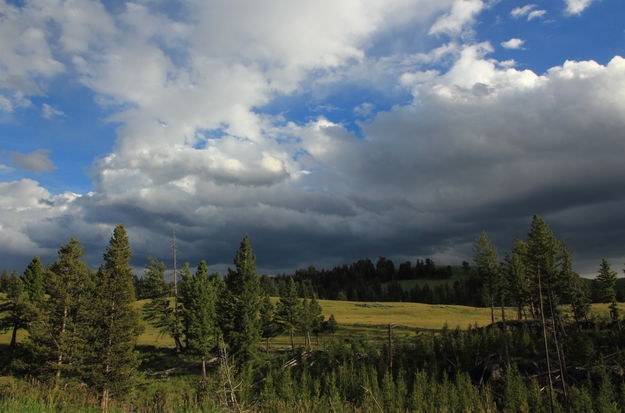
[165,362]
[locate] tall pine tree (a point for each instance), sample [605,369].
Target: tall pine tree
[203,332]
[488,268]
[289,309]
[607,285]
[115,326]
[243,302]
[57,337]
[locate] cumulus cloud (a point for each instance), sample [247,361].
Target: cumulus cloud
[576,7]
[36,161]
[513,43]
[479,144]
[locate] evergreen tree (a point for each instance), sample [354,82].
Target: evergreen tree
[607,284]
[34,280]
[310,319]
[487,264]
[330,325]
[516,276]
[289,309]
[17,309]
[115,323]
[577,290]
[203,332]
[542,263]
[57,338]
[269,326]
[4,281]
[243,302]
[154,285]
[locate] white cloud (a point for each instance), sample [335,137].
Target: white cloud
[513,43]
[530,11]
[536,14]
[462,13]
[522,11]
[576,7]
[49,111]
[477,134]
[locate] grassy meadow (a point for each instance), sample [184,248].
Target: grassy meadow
[367,320]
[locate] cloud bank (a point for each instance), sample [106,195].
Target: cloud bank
[477,145]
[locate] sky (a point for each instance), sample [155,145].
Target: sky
[327,131]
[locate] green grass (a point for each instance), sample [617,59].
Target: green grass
[366,320]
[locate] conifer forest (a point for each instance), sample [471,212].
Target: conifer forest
[81,339]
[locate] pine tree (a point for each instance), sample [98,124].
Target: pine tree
[34,280]
[243,302]
[57,337]
[4,281]
[17,309]
[115,323]
[310,318]
[607,284]
[289,309]
[516,276]
[269,326]
[487,263]
[154,285]
[542,263]
[577,290]
[200,308]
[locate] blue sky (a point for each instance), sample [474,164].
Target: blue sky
[326,131]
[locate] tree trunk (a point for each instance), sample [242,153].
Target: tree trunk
[267,347]
[292,342]
[14,337]
[59,360]
[542,316]
[308,341]
[203,368]
[492,309]
[178,344]
[505,332]
[104,401]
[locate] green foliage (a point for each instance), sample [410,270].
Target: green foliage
[34,280]
[200,308]
[241,304]
[115,325]
[57,337]
[289,309]
[330,325]
[161,311]
[310,319]
[516,278]
[16,310]
[488,268]
[153,283]
[607,284]
[269,326]
[4,281]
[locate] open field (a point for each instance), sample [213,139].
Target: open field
[369,320]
